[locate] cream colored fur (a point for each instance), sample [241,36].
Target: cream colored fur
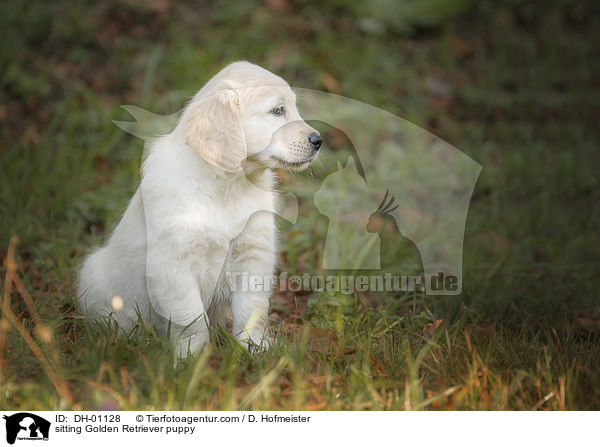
[204,208]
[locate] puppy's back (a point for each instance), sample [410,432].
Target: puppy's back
[118,269]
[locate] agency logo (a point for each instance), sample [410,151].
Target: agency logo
[26,427]
[396,197]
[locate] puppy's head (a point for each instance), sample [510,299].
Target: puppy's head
[246,113]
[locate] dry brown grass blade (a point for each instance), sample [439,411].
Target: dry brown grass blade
[125,382]
[11,269]
[8,315]
[26,297]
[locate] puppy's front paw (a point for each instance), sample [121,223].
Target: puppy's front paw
[255,342]
[188,345]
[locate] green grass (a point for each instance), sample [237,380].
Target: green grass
[524,334]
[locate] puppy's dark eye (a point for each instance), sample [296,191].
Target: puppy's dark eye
[278,111]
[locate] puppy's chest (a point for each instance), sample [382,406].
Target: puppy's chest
[228,234]
[230,219]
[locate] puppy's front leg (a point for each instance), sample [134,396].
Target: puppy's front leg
[250,312]
[175,296]
[254,258]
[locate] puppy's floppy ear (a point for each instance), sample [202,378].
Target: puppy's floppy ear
[213,129]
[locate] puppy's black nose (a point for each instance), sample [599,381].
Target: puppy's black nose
[315,140]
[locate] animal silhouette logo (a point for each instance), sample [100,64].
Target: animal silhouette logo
[26,426]
[429,183]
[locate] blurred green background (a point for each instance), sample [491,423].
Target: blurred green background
[513,84]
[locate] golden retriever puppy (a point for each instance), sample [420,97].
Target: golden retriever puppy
[203,213]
